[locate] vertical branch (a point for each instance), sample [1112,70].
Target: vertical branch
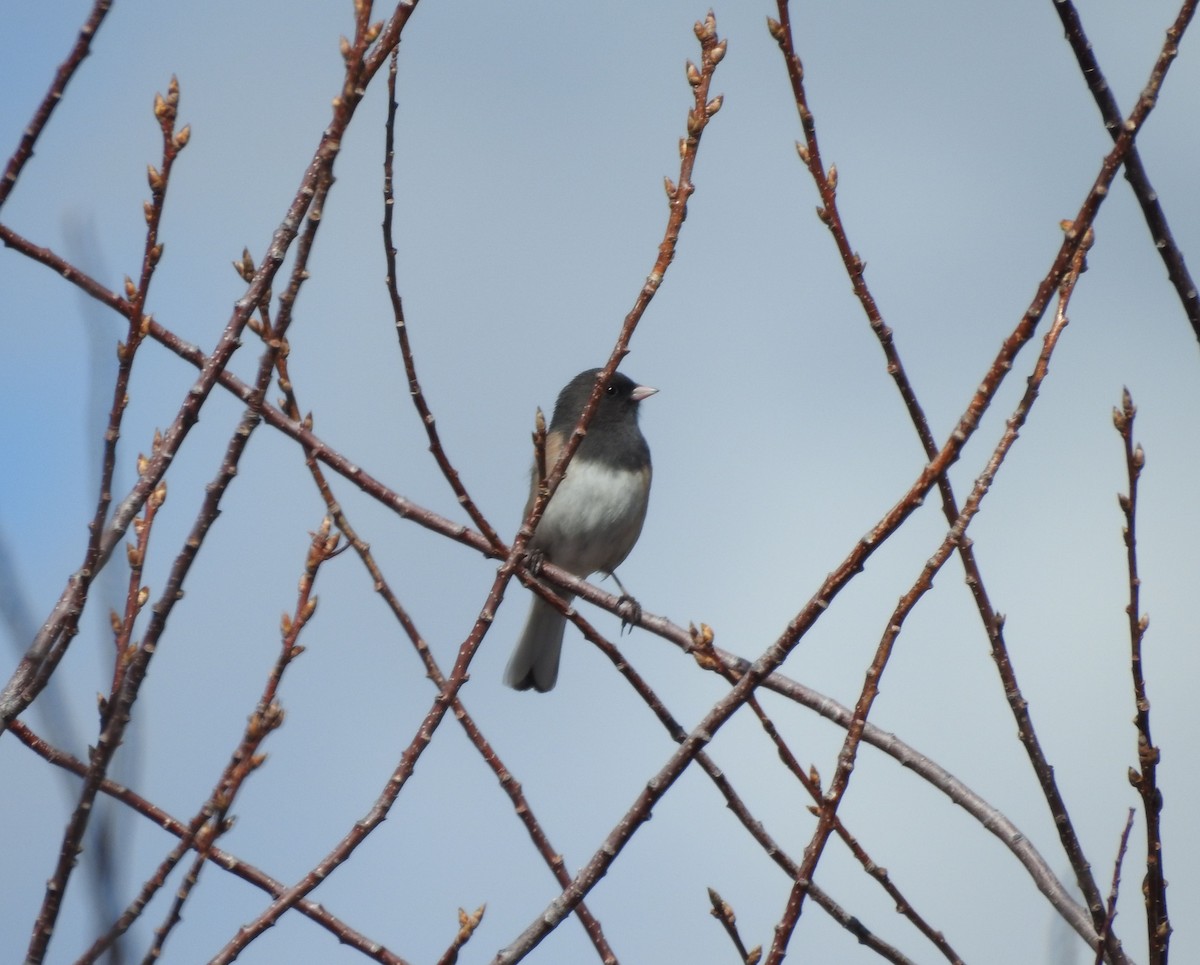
[1144,780]
[40,660]
[410,366]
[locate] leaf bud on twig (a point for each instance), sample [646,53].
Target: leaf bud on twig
[775,28]
[693,74]
[802,151]
[714,105]
[718,52]
[832,177]
[182,138]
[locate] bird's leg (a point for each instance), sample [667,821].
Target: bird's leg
[631,610]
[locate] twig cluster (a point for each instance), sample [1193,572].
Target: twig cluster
[269,318]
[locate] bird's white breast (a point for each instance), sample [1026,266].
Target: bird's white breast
[594,517]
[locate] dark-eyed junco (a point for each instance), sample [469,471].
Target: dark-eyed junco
[595,515]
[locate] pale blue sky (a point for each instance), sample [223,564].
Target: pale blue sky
[531,144]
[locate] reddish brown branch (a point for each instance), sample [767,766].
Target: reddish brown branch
[54,95]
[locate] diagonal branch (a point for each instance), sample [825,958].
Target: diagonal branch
[62,77]
[924,583]
[1135,171]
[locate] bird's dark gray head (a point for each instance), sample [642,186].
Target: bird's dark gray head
[618,404]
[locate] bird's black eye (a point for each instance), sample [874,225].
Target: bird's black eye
[611,390]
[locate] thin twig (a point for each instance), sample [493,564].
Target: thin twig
[410,366]
[466,928]
[722,911]
[1145,778]
[54,95]
[1111,914]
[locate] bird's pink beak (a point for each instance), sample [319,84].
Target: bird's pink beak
[642,392]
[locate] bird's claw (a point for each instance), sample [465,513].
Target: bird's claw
[534,560]
[630,612]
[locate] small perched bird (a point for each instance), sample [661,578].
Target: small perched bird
[595,515]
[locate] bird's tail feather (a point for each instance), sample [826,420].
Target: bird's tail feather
[534,662]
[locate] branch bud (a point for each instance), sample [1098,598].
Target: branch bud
[775,28]
[717,54]
[693,74]
[182,138]
[714,105]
